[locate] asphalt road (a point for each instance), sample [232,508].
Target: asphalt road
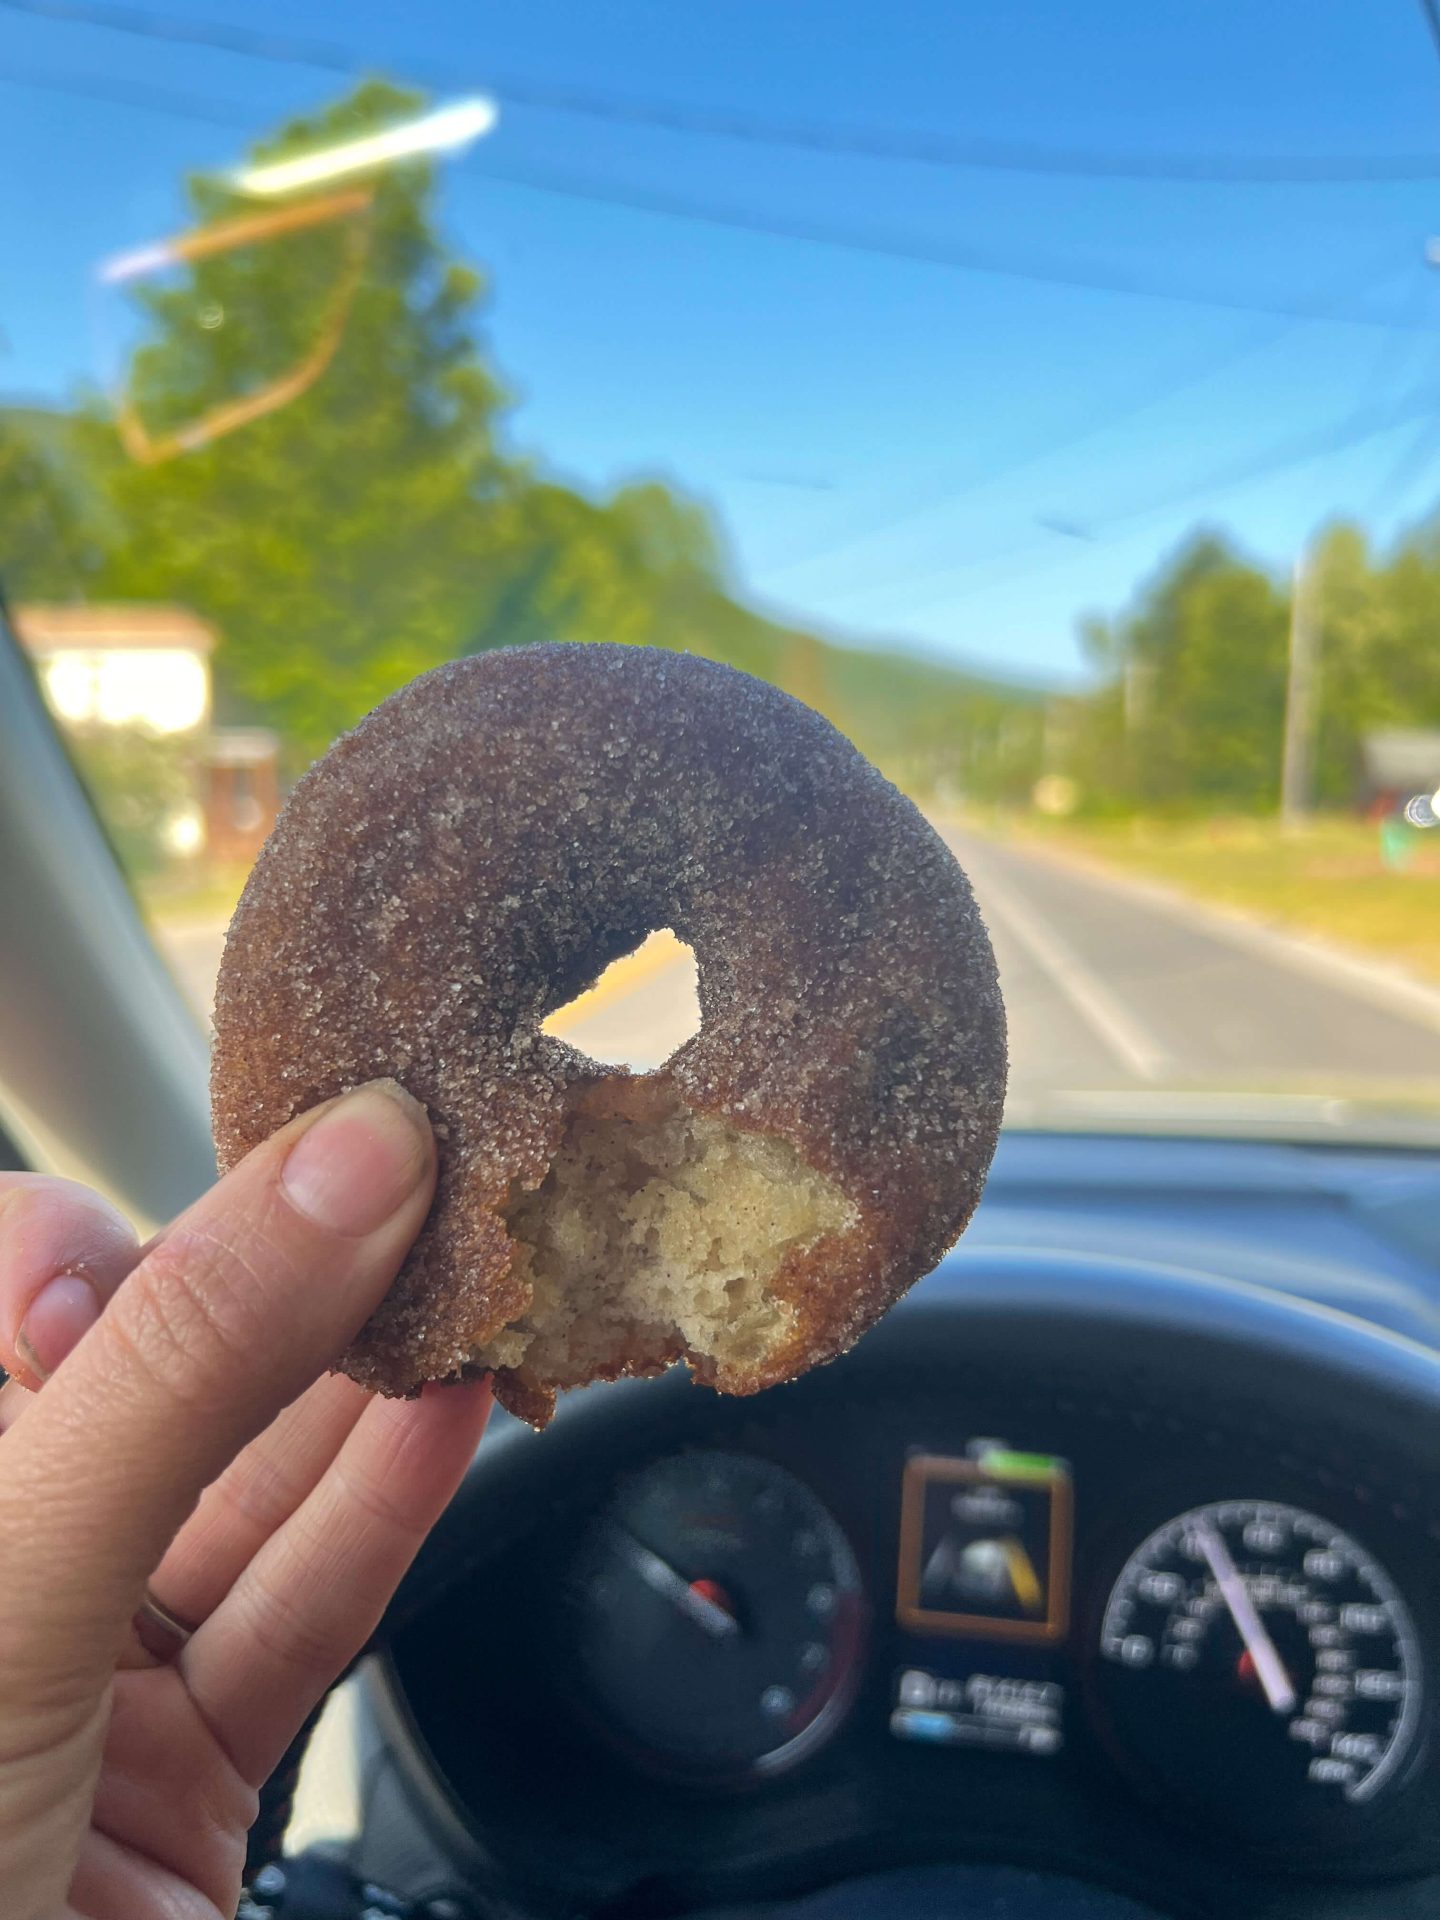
[1111,988]
[1111,984]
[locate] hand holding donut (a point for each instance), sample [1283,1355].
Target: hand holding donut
[476,853]
[198,1530]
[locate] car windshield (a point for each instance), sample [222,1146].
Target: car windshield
[1045,395]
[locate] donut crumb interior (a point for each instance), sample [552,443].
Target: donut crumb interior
[656,1224]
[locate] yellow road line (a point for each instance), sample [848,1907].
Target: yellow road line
[654,955]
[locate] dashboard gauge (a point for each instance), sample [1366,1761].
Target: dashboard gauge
[1259,1664]
[717,1615]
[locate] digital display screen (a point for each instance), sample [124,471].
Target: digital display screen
[985,1546]
[1004,1712]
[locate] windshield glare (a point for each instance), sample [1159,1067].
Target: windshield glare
[1049,402]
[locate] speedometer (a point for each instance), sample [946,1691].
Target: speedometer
[1258,1662]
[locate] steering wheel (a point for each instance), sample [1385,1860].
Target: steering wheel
[1122,1320]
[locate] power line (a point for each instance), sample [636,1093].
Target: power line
[145,23]
[1385,363]
[977,153]
[1353,430]
[1204,369]
[963,152]
[1415,456]
[327,55]
[1034,269]
[877,241]
[137,94]
[228,113]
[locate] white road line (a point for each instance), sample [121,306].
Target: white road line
[1126,1038]
[1383,984]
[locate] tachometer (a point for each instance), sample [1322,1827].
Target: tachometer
[717,1613]
[1259,1662]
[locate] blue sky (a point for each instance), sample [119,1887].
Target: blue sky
[872,431]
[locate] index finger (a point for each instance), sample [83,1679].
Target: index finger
[63,1252]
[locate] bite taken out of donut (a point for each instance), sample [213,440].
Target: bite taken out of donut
[471,858]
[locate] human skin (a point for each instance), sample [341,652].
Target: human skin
[170,1423]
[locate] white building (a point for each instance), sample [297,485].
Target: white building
[122,666]
[145,668]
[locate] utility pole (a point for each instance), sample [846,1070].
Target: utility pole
[1300,684]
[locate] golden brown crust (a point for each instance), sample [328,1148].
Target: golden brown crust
[477,852]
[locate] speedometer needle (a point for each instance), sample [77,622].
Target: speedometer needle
[1268,1665]
[688,1596]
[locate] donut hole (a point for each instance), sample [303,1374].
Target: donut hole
[642,1009]
[657,1230]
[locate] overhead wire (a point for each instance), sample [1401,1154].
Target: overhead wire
[1379,377]
[1414,457]
[1299,450]
[1419,450]
[889,144]
[139,95]
[931,499]
[967,152]
[952,256]
[875,242]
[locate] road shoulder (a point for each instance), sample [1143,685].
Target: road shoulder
[1384,984]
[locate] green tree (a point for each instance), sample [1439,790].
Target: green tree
[1196,681]
[1353,694]
[141,784]
[341,543]
[51,547]
[1404,677]
[1378,661]
[375,525]
[565,567]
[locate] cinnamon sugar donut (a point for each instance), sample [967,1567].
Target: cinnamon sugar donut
[474,855]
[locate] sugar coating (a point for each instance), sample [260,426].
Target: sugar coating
[475,854]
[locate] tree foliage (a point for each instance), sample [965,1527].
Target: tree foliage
[341,542]
[1189,708]
[50,541]
[379,523]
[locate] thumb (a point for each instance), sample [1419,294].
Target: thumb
[229,1317]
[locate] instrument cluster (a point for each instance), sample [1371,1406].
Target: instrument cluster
[1136,1599]
[1246,1660]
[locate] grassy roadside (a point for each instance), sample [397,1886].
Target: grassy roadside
[168,902]
[1328,879]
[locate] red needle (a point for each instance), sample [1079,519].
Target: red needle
[712,1591]
[702,1600]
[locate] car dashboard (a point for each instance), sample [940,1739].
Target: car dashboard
[1112,1567]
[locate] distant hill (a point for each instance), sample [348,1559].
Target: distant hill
[931,726]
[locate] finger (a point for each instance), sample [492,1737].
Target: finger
[314,1593]
[253,1496]
[13,1401]
[165,1799]
[111,1880]
[63,1252]
[227,1319]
